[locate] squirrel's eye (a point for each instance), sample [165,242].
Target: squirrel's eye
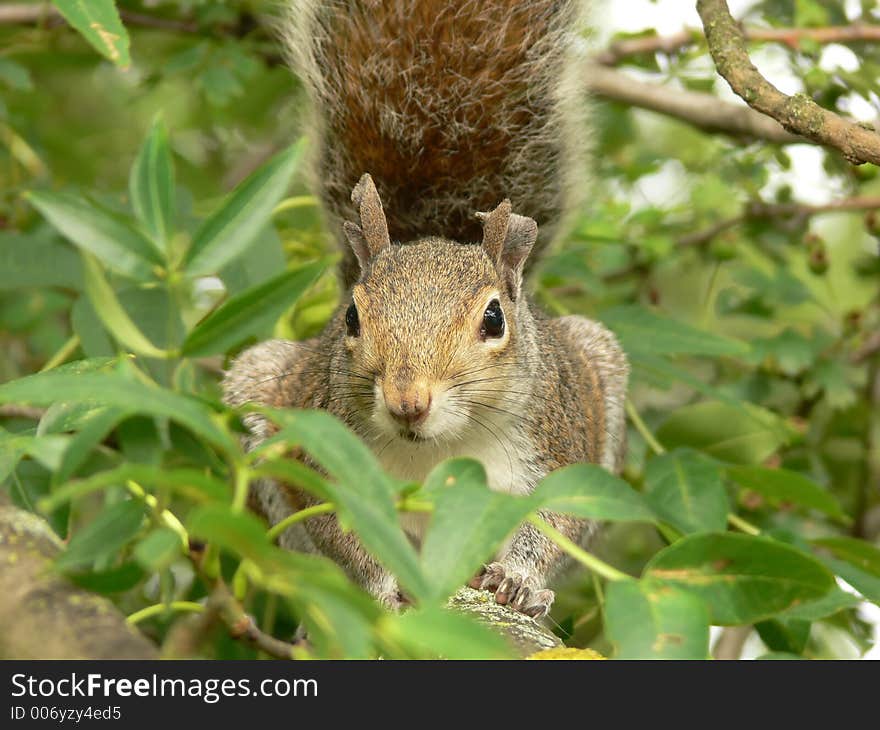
[493,321]
[352,323]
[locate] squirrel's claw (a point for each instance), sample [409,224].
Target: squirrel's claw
[519,592]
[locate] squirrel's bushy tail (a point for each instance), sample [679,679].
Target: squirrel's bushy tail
[450,106]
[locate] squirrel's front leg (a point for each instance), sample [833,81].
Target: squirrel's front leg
[519,576]
[346,550]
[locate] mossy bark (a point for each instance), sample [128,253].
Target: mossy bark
[525,635]
[43,615]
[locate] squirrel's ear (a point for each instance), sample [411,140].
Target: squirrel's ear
[508,238]
[371,234]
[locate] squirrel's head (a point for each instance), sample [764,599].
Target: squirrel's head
[433,326]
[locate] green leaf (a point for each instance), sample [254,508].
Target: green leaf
[114,580]
[295,474]
[48,450]
[111,313]
[788,635]
[114,389]
[325,599]
[783,486]
[641,330]
[98,22]
[648,620]
[93,338]
[790,351]
[151,186]
[229,231]
[363,493]
[240,532]
[103,536]
[158,549]
[742,435]
[450,472]
[743,579]
[590,492]
[469,523]
[192,484]
[15,76]
[831,603]
[266,257]
[13,447]
[250,313]
[118,246]
[432,633]
[660,372]
[856,561]
[685,490]
[36,260]
[91,433]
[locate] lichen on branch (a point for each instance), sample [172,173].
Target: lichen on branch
[799,113]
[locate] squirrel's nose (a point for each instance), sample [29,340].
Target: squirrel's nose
[408,406]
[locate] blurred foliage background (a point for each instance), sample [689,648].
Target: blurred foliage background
[750,313]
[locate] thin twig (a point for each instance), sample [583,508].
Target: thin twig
[29,13]
[870,347]
[731,642]
[798,113]
[242,627]
[792,37]
[704,111]
[758,210]
[13,410]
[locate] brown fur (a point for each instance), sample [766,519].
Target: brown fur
[451,106]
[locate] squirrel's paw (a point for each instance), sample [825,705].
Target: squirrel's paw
[521,592]
[389,595]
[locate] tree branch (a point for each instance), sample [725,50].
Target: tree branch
[758,210]
[29,13]
[798,113]
[42,615]
[730,643]
[705,111]
[793,37]
[243,628]
[13,410]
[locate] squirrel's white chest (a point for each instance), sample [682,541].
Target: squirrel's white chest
[510,465]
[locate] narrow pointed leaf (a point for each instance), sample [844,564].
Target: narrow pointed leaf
[151,186]
[118,246]
[192,484]
[250,313]
[232,229]
[114,389]
[99,23]
[104,535]
[111,313]
[364,494]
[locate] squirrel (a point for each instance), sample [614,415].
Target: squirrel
[436,351]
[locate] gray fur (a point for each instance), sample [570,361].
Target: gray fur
[416,86]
